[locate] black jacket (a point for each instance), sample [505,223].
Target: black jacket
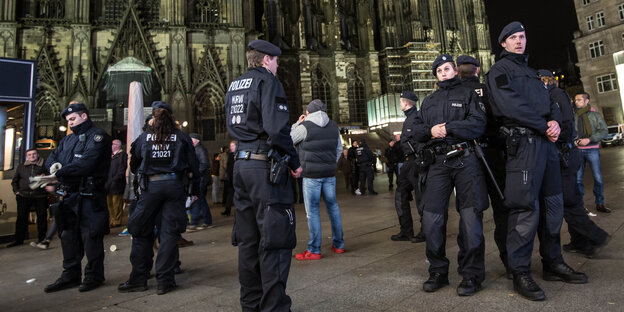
[364,155]
[455,105]
[562,100]
[518,96]
[116,182]
[21,182]
[204,160]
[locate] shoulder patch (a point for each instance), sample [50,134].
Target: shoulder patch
[98,138]
[501,80]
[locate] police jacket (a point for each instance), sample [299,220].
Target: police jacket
[175,155]
[492,125]
[562,100]
[455,105]
[364,155]
[83,153]
[518,96]
[256,113]
[21,182]
[408,138]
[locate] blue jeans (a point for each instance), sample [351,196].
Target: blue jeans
[312,189]
[592,156]
[200,206]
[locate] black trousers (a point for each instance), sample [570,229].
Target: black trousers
[263,266]
[584,233]
[366,176]
[162,205]
[355,177]
[407,182]
[393,169]
[465,174]
[23,209]
[82,223]
[534,198]
[496,160]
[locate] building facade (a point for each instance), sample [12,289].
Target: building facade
[343,52]
[601,35]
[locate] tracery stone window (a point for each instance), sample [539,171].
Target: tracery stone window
[356,94]
[206,11]
[51,9]
[321,89]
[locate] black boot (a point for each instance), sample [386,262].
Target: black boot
[436,281]
[62,284]
[527,287]
[129,286]
[419,238]
[468,287]
[563,272]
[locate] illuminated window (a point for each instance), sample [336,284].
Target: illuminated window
[596,49]
[606,83]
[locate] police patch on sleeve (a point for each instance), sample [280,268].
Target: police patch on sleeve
[98,138]
[282,104]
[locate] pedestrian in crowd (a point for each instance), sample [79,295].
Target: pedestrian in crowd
[80,164]
[116,183]
[161,157]
[530,122]
[355,168]
[408,178]
[448,120]
[493,146]
[591,129]
[392,160]
[257,117]
[228,187]
[200,206]
[318,141]
[27,198]
[585,236]
[344,165]
[365,160]
[214,174]
[223,172]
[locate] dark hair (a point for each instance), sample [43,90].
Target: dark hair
[466,70]
[584,94]
[215,155]
[163,124]
[32,149]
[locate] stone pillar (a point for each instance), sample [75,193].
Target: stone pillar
[7,10]
[77,11]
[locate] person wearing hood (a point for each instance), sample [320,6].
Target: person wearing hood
[26,198]
[80,164]
[530,122]
[448,120]
[320,146]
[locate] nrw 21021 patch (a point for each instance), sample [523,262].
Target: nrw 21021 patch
[98,138]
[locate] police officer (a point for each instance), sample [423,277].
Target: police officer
[447,121]
[162,158]
[493,145]
[531,124]
[365,159]
[355,168]
[585,236]
[408,176]
[80,163]
[257,117]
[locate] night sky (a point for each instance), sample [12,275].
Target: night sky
[549,24]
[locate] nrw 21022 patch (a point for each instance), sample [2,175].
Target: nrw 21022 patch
[98,138]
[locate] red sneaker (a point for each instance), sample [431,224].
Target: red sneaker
[306,255]
[336,250]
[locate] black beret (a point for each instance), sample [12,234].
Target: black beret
[509,30]
[315,106]
[74,107]
[439,61]
[195,136]
[409,95]
[265,47]
[467,59]
[161,104]
[545,73]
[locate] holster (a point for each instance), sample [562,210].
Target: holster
[279,167]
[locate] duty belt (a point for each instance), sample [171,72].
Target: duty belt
[511,131]
[443,150]
[251,155]
[164,177]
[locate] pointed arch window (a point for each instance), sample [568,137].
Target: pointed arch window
[356,94]
[206,11]
[321,89]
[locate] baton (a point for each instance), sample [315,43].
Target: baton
[489,171]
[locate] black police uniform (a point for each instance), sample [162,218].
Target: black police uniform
[82,218]
[365,159]
[393,155]
[408,178]
[355,169]
[521,102]
[458,107]
[257,116]
[585,235]
[161,170]
[493,145]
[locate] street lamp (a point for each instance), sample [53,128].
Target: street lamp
[184,124]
